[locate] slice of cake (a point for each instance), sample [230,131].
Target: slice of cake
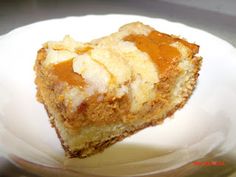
[100,92]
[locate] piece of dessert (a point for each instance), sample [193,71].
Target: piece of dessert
[100,92]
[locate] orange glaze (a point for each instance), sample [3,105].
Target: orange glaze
[157,45]
[64,72]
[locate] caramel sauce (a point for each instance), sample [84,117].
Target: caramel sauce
[157,46]
[64,72]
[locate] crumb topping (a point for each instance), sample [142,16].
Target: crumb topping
[127,62]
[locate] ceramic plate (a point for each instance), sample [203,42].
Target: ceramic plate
[205,127]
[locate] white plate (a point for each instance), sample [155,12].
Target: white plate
[204,127]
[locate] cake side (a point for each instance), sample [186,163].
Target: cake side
[126,99]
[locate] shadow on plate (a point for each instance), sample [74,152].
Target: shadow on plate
[127,153]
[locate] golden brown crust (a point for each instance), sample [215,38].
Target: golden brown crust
[100,146]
